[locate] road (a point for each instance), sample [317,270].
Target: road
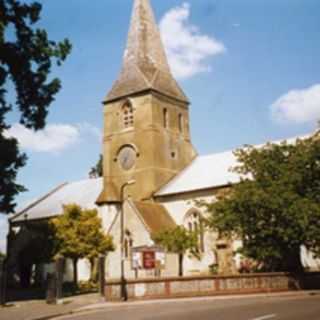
[273,308]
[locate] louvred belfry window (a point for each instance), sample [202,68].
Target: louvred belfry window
[127,115]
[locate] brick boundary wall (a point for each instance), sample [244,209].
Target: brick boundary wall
[174,287]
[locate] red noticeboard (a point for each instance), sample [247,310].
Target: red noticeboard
[149,259]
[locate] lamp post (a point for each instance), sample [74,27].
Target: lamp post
[124,296]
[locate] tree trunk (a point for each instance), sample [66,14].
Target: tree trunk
[91,269]
[94,269]
[180,256]
[75,272]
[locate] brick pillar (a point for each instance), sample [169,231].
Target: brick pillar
[102,278]
[51,294]
[54,293]
[59,266]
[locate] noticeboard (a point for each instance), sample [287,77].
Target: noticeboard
[148,257]
[149,260]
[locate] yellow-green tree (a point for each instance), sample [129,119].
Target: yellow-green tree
[79,234]
[180,241]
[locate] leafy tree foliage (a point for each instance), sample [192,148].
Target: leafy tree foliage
[79,235]
[26,57]
[41,247]
[2,255]
[97,170]
[37,248]
[276,207]
[180,241]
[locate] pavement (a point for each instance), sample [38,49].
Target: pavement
[40,310]
[93,303]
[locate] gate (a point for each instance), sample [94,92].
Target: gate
[3,281]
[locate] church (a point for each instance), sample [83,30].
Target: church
[150,167]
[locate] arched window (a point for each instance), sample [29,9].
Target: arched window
[165,118]
[127,115]
[194,223]
[180,123]
[128,244]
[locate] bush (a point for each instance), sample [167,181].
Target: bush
[214,268]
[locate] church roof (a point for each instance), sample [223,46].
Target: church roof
[83,193]
[211,171]
[145,65]
[203,173]
[155,216]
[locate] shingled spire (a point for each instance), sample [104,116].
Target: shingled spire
[145,65]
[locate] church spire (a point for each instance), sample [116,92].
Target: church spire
[145,65]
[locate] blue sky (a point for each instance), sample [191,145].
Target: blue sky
[250,68]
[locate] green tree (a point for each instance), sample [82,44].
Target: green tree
[275,209]
[180,241]
[97,170]
[78,233]
[37,250]
[26,57]
[2,255]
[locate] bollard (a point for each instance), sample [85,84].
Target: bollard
[3,281]
[51,295]
[59,266]
[102,262]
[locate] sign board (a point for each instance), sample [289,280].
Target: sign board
[149,260]
[148,257]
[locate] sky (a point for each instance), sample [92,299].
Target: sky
[249,67]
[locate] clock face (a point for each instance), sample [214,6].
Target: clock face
[127,157]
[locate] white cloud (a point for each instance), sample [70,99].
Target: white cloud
[298,106]
[90,129]
[187,49]
[53,138]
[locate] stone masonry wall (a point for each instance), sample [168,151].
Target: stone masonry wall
[210,286]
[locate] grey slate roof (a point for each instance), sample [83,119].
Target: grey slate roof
[83,193]
[145,65]
[203,173]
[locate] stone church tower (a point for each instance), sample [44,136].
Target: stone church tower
[146,117]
